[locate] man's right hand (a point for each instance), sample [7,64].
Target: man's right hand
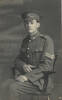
[27,68]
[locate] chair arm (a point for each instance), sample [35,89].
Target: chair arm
[49,72]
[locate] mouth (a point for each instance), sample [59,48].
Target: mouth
[30,29]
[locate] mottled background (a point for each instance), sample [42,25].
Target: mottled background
[12,32]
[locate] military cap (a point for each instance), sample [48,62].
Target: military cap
[30,15]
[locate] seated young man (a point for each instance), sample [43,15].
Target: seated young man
[35,58]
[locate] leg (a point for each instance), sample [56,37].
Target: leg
[17,89]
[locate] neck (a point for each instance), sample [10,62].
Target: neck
[34,36]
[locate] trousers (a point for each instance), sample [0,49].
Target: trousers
[17,89]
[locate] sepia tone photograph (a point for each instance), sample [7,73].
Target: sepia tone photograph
[30,50]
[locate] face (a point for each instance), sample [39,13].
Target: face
[32,26]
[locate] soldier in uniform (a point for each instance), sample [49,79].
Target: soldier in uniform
[34,61]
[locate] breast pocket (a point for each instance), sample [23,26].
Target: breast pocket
[36,54]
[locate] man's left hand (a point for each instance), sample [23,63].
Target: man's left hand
[22,78]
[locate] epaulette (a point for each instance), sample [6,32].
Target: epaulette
[43,36]
[46,37]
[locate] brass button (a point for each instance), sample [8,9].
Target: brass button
[29,40]
[34,38]
[28,56]
[28,48]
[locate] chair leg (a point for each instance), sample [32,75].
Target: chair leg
[48,98]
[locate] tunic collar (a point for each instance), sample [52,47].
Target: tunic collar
[35,36]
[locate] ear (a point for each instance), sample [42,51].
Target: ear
[38,25]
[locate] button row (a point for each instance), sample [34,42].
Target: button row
[28,49]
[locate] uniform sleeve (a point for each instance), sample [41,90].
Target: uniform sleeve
[16,73]
[45,62]
[19,62]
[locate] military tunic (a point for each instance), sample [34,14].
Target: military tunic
[39,52]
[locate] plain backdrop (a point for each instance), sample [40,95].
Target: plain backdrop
[12,31]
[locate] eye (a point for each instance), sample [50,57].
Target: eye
[31,22]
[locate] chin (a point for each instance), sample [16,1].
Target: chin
[30,31]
